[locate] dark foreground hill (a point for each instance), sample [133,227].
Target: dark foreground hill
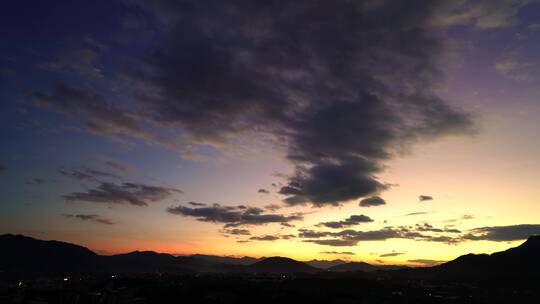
[518,261]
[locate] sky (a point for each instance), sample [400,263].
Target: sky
[391,132]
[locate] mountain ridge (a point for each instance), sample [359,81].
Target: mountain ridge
[29,255]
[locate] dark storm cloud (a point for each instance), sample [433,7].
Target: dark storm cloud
[263,191]
[424,198]
[351,221]
[2,168]
[503,233]
[339,84]
[89,218]
[125,193]
[372,201]
[391,254]
[233,216]
[338,252]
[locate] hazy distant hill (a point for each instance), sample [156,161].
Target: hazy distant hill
[226,260]
[353,266]
[324,264]
[281,265]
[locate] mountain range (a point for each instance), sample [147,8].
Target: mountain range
[25,255]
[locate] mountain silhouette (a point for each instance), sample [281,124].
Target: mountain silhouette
[325,264]
[518,261]
[281,265]
[226,259]
[21,253]
[353,266]
[29,256]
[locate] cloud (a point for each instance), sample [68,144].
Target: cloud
[287,73]
[484,14]
[125,193]
[416,213]
[513,67]
[233,216]
[100,116]
[83,61]
[372,201]
[89,218]
[117,166]
[350,237]
[425,198]
[503,233]
[351,221]
[196,204]
[264,191]
[333,242]
[426,262]
[264,238]
[391,254]
[3,168]
[236,231]
[272,207]
[39,181]
[338,252]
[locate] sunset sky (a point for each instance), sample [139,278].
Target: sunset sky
[396,132]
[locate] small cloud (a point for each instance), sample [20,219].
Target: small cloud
[424,198]
[333,242]
[263,191]
[197,204]
[426,262]
[272,207]
[2,168]
[372,201]
[236,231]
[117,166]
[264,238]
[391,254]
[87,174]
[416,213]
[512,67]
[83,61]
[351,221]
[39,181]
[129,193]
[338,252]
[89,218]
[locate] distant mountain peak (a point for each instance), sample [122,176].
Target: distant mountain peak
[281,265]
